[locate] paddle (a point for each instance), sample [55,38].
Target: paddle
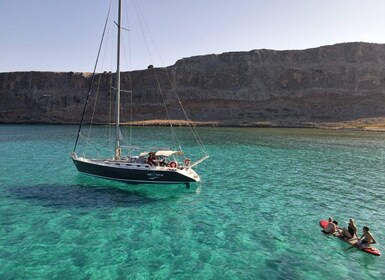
[353,245]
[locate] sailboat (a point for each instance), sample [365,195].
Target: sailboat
[152,165]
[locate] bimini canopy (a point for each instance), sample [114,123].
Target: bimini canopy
[169,153]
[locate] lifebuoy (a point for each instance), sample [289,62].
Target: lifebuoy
[173,164]
[187,161]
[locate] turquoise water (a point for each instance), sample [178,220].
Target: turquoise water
[254,216]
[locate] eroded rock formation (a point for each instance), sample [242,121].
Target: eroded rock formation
[339,83]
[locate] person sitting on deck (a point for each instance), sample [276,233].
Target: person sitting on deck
[350,232]
[366,239]
[151,159]
[162,161]
[331,227]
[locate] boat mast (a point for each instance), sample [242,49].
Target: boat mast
[117,100]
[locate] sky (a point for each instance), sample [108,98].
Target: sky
[62,36]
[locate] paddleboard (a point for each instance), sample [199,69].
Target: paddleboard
[352,242]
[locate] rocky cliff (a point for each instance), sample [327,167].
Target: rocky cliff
[332,84]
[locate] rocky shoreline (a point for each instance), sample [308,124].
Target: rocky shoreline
[377,124]
[374,125]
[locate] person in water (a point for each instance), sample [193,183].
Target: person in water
[366,239]
[331,227]
[349,232]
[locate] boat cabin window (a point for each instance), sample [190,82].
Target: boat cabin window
[134,159]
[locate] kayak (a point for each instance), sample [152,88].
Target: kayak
[352,242]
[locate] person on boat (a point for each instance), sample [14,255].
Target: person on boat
[151,159]
[350,232]
[162,161]
[331,227]
[367,239]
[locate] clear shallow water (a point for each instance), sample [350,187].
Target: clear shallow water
[254,216]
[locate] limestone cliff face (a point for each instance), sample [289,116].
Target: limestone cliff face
[336,83]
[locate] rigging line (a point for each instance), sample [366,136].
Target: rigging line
[94,146]
[141,20]
[92,79]
[175,137]
[189,122]
[94,108]
[110,132]
[128,59]
[124,114]
[101,76]
[140,15]
[112,49]
[131,107]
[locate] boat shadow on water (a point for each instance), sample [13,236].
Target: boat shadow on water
[92,196]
